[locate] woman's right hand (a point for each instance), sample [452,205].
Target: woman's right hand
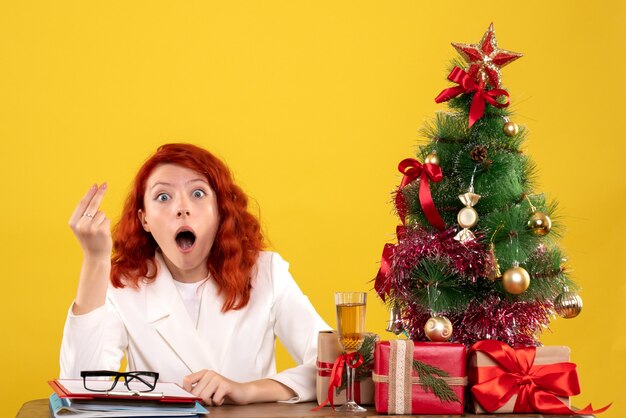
[93,230]
[91,226]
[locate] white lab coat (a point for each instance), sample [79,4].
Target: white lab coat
[152,326]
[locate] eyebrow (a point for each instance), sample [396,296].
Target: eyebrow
[163,183]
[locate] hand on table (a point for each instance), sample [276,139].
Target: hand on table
[214,388]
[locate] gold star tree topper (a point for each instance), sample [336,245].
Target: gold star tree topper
[486,59]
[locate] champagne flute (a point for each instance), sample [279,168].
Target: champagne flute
[351,330]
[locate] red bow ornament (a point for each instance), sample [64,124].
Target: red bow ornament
[412,170]
[382,285]
[352,360]
[539,388]
[466,84]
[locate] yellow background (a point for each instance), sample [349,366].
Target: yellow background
[312,104]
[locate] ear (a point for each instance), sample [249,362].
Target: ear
[142,218]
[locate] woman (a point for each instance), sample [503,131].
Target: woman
[191,294]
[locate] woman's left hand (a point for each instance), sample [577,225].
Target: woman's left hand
[214,388]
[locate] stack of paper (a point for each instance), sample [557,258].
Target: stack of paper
[71,399]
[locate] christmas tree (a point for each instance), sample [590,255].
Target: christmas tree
[476,254]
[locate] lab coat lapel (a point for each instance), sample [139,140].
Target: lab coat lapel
[166,311]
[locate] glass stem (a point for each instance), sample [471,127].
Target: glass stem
[349,384]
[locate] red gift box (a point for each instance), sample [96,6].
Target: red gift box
[397,386]
[528,379]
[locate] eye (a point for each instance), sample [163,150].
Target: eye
[199,193]
[163,197]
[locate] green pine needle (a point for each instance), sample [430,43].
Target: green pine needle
[438,287]
[431,381]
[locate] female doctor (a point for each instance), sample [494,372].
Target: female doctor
[188,292]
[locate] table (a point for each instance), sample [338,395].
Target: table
[39,409]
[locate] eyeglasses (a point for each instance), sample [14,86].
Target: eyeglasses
[105,380]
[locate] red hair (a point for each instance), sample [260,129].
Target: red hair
[237,242]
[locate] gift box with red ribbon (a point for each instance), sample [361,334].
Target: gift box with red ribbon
[329,356]
[522,380]
[419,378]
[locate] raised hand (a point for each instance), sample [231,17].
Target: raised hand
[91,226]
[93,230]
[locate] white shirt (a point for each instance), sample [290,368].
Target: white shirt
[153,328]
[191,294]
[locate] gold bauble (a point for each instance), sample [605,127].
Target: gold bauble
[516,280]
[510,129]
[539,223]
[432,158]
[438,329]
[467,217]
[568,305]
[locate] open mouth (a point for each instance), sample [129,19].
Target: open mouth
[185,239]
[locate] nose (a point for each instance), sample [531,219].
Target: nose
[182,212]
[183,205]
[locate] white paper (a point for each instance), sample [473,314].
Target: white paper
[76,386]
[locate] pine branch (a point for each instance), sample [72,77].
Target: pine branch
[437,286]
[549,274]
[367,351]
[364,370]
[507,148]
[449,140]
[431,381]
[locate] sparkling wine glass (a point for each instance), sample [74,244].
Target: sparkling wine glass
[351,330]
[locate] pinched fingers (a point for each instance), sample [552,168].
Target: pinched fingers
[101,225]
[97,219]
[94,235]
[90,225]
[94,203]
[82,205]
[88,205]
